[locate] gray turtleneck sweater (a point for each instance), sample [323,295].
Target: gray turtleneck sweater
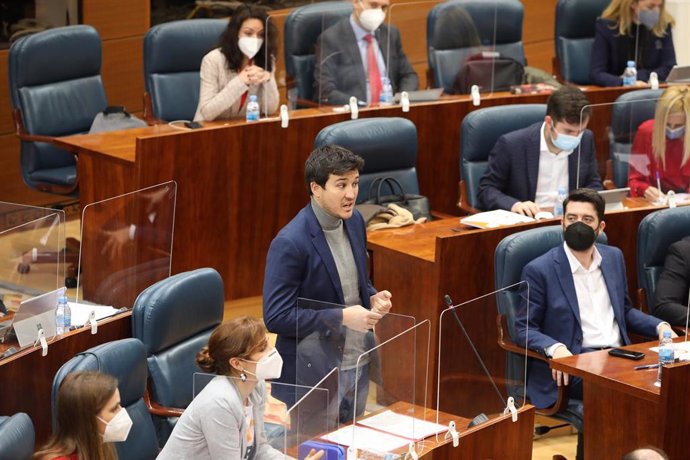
[339,244]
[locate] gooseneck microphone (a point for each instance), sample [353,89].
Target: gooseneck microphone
[449,302]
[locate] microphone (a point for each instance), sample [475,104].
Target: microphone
[449,302]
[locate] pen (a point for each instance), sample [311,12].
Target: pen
[647,366]
[658,181]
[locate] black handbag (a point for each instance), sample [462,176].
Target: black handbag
[490,72]
[418,205]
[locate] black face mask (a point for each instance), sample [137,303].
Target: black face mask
[579,236]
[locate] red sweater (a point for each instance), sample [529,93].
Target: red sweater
[643,165]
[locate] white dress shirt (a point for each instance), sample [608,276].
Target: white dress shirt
[363,46]
[599,326]
[553,173]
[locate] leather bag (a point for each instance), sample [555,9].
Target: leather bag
[418,205]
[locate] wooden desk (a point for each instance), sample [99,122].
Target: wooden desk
[26,378]
[422,263]
[240,183]
[624,410]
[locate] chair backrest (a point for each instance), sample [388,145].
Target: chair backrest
[628,112]
[302,29]
[173,52]
[512,254]
[387,145]
[656,233]
[574,37]
[55,84]
[126,361]
[174,319]
[17,437]
[496,23]
[479,132]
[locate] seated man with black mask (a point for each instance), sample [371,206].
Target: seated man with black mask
[578,300]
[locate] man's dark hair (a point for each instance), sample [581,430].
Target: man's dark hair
[586,195]
[568,104]
[327,160]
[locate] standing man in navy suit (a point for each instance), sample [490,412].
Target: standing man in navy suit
[321,256]
[354,55]
[578,300]
[527,167]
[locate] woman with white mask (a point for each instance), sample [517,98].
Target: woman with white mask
[242,65]
[89,419]
[632,30]
[226,419]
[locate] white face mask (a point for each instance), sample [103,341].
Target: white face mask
[371,19]
[269,367]
[250,45]
[117,429]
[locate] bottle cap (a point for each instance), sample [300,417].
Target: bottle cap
[631,63]
[667,334]
[252,98]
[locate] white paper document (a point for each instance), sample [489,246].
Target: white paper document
[81,312]
[681,350]
[367,439]
[403,425]
[496,218]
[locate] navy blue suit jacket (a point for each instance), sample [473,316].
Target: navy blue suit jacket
[511,175]
[554,314]
[300,265]
[607,62]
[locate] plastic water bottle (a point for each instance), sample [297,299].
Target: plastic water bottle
[630,74]
[253,109]
[665,354]
[560,198]
[63,316]
[386,97]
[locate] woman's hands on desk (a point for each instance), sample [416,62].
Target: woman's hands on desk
[653,194]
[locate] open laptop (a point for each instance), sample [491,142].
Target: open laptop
[32,314]
[679,75]
[614,198]
[425,95]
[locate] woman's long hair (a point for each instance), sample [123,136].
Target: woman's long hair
[229,40]
[81,396]
[620,12]
[676,99]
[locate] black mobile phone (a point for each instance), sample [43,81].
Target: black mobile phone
[193,125]
[627,354]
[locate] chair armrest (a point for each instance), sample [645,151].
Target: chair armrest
[505,342]
[441,215]
[463,202]
[23,135]
[162,411]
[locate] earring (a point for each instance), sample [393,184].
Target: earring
[243,376]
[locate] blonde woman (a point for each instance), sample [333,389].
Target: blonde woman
[632,30]
[661,150]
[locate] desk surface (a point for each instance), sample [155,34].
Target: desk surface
[234,174]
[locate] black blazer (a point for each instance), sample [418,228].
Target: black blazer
[671,295]
[511,175]
[339,72]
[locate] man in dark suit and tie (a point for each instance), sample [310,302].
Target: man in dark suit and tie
[527,167]
[317,295]
[354,55]
[578,300]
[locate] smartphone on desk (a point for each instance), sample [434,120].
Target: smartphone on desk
[627,354]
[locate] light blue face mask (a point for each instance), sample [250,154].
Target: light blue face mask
[565,141]
[649,18]
[676,133]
